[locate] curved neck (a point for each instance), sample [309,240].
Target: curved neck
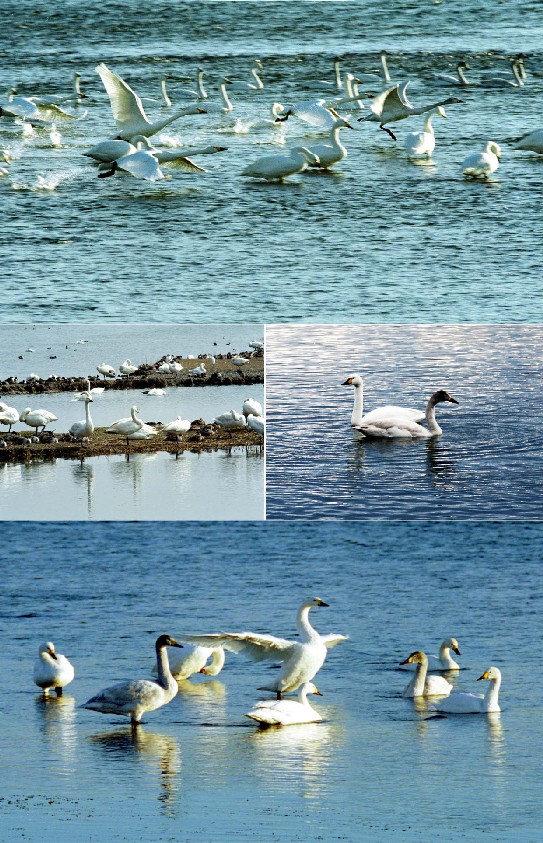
[224,96]
[491,696]
[135,419]
[433,426]
[87,413]
[256,77]
[461,76]
[420,678]
[302,623]
[302,695]
[165,97]
[358,409]
[217,662]
[165,677]
[428,123]
[202,93]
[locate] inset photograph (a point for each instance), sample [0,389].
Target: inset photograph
[404,422]
[118,422]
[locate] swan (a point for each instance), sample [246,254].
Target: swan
[164,368]
[320,112]
[460,702]
[37,418]
[532,142]
[240,361]
[301,658]
[9,415]
[178,425]
[251,407]
[358,418]
[517,68]
[333,151]
[110,150]
[287,712]
[135,697]
[422,144]
[251,87]
[154,391]
[96,390]
[278,167]
[128,110]
[422,685]
[58,99]
[481,165]
[128,426]
[127,367]
[195,660]
[84,429]
[52,670]
[257,424]
[24,108]
[400,427]
[392,105]
[231,420]
[144,163]
[276,109]
[106,370]
[175,367]
[198,371]
[442,662]
[224,106]
[460,78]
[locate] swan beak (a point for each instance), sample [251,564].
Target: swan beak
[347,125]
[452,400]
[348,382]
[484,676]
[53,655]
[321,602]
[457,651]
[407,660]
[203,670]
[317,692]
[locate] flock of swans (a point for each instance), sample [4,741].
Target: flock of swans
[130,151]
[300,660]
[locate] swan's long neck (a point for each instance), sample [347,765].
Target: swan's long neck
[420,678]
[428,123]
[490,702]
[302,695]
[461,75]
[202,93]
[167,101]
[433,105]
[256,77]
[217,662]
[358,408]
[433,426]
[337,73]
[88,420]
[386,74]
[334,138]
[165,677]
[516,73]
[135,419]
[302,624]
[76,85]
[224,96]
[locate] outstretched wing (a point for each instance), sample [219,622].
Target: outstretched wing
[333,639]
[126,105]
[254,645]
[178,162]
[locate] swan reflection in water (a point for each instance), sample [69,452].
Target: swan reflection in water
[160,754]
[59,726]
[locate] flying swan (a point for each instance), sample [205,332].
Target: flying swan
[392,105]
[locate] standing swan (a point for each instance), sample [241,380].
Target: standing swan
[462,703]
[400,427]
[481,165]
[84,429]
[442,662]
[392,105]
[422,144]
[301,659]
[287,712]
[135,697]
[37,418]
[358,418]
[52,670]
[333,151]
[422,685]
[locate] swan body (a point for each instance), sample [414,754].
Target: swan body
[145,162]
[127,367]
[224,106]
[52,670]
[499,81]
[444,661]
[96,390]
[154,391]
[359,418]
[231,420]
[83,429]
[37,418]
[110,150]
[422,685]
[198,371]
[9,416]
[532,142]
[460,78]
[178,425]
[301,659]
[24,108]
[130,426]
[400,427]
[251,87]
[392,105]
[481,165]
[240,361]
[106,370]
[422,144]
[128,111]
[462,703]
[251,407]
[196,659]
[135,697]
[257,424]
[279,167]
[330,153]
[287,712]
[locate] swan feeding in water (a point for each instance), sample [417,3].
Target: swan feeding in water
[481,165]
[359,418]
[134,698]
[52,670]
[442,662]
[84,429]
[287,712]
[392,105]
[422,144]
[460,702]
[401,427]
[278,167]
[301,659]
[422,685]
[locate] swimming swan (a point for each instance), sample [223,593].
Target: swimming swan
[134,698]
[460,78]
[358,418]
[400,427]
[392,105]
[333,151]
[278,167]
[481,165]
[52,670]
[287,712]
[532,142]
[144,163]
[301,659]
[422,685]
[422,144]
[462,703]
[442,662]
[84,429]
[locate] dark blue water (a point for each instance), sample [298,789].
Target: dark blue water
[102,594]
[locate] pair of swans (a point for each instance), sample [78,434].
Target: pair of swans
[481,165]
[453,702]
[422,144]
[134,697]
[300,659]
[52,670]
[279,167]
[132,427]
[394,422]
[392,105]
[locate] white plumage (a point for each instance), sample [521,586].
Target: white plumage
[481,165]
[462,703]
[444,661]
[52,670]
[287,712]
[423,685]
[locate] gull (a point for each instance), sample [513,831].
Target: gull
[392,105]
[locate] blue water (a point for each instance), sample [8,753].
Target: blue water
[376,768]
[380,240]
[487,463]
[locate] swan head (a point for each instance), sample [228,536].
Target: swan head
[440,111]
[441,396]
[418,657]
[49,648]
[311,688]
[495,148]
[354,380]
[462,65]
[314,601]
[166,641]
[491,673]
[453,644]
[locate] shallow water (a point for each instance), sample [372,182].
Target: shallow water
[487,463]
[380,240]
[376,767]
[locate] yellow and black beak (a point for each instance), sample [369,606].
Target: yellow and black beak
[484,676]
[348,382]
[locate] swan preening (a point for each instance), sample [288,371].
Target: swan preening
[422,144]
[444,661]
[392,105]
[287,712]
[422,685]
[481,165]
[37,418]
[460,702]
[301,659]
[278,167]
[133,698]
[52,670]
[197,660]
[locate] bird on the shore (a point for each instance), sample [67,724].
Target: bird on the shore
[52,669]
[422,685]
[198,371]
[240,361]
[257,424]
[481,165]
[231,420]
[106,370]
[127,367]
[178,425]
[251,407]
[9,416]
[129,426]
[444,661]
[37,418]
[84,429]
[460,702]
[133,698]
[287,712]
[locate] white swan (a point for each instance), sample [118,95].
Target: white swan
[392,105]
[110,150]
[422,144]
[58,99]
[52,670]
[128,110]
[422,685]
[154,391]
[301,659]
[145,162]
[279,167]
[531,142]
[164,368]
[82,396]
[84,429]
[460,78]
[400,427]
[251,407]
[24,108]
[498,81]
[175,367]
[442,662]
[134,698]
[129,426]
[127,367]
[481,165]
[106,370]
[231,420]
[224,106]
[240,361]
[9,416]
[196,659]
[462,703]
[178,425]
[333,151]
[257,424]
[250,87]
[198,371]
[287,712]
[359,418]
[37,418]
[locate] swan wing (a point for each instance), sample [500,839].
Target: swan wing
[127,107]
[460,702]
[333,639]
[390,412]
[124,695]
[394,428]
[256,646]
[316,113]
[141,165]
[178,162]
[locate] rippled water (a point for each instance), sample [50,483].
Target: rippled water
[375,768]
[487,464]
[379,240]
